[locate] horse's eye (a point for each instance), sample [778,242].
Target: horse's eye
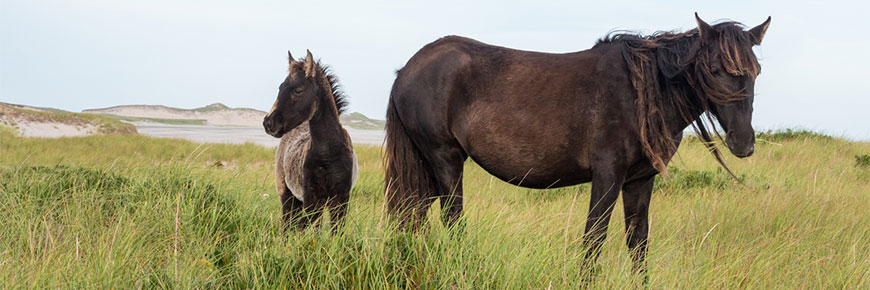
[298,91]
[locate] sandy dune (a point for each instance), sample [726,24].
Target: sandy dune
[225,125]
[43,124]
[214,114]
[55,130]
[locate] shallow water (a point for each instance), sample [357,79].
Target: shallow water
[238,135]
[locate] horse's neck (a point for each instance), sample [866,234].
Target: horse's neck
[324,126]
[677,121]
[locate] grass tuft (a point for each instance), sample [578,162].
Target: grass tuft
[862,160]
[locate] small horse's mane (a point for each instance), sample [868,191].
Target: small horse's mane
[330,83]
[669,69]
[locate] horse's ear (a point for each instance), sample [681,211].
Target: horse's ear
[757,33]
[704,30]
[289,57]
[310,67]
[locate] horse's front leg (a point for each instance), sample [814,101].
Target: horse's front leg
[338,208]
[636,198]
[290,207]
[312,209]
[606,185]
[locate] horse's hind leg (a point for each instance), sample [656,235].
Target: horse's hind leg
[447,166]
[636,197]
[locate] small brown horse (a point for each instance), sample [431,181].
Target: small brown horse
[315,166]
[613,115]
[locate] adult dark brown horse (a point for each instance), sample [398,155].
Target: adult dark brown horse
[613,115]
[315,166]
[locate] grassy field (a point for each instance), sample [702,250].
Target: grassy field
[134,211]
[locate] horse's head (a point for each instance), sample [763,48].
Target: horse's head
[725,72]
[298,97]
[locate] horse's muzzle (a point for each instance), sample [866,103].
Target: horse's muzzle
[270,127]
[744,152]
[266,124]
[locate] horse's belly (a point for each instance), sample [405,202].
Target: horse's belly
[534,166]
[538,177]
[522,147]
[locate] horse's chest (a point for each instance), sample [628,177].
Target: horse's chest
[295,147]
[293,161]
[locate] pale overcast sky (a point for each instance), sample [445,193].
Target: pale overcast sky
[77,55]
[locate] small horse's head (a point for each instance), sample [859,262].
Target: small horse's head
[725,72]
[298,97]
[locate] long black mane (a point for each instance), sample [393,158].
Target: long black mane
[671,70]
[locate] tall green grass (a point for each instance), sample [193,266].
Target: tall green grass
[134,211]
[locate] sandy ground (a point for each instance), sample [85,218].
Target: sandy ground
[238,135]
[54,130]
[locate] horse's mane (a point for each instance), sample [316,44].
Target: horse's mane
[330,84]
[670,70]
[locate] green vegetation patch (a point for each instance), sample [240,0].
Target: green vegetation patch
[212,107]
[359,121]
[685,179]
[8,132]
[790,135]
[862,160]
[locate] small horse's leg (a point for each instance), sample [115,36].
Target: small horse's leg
[290,208]
[312,209]
[636,197]
[337,210]
[312,206]
[605,190]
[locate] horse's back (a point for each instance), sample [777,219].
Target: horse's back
[543,111]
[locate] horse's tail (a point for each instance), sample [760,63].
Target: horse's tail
[407,177]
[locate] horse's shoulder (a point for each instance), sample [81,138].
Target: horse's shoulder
[347,139]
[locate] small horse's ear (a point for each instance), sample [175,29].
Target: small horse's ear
[310,66]
[289,57]
[757,33]
[704,30]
